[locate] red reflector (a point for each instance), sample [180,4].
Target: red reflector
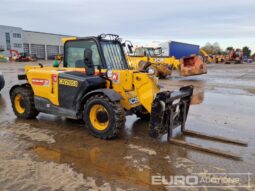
[54,78]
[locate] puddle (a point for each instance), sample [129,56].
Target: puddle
[93,162]
[141,149]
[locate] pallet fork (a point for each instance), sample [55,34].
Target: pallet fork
[170,110]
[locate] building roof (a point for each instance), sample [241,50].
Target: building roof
[10,26]
[46,33]
[34,31]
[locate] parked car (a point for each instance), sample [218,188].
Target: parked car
[2,82]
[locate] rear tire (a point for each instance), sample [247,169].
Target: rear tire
[22,99]
[103,117]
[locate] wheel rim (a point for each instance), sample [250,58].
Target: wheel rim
[99,117]
[18,104]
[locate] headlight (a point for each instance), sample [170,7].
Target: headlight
[151,71]
[109,73]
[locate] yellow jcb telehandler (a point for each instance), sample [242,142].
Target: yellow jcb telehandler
[95,84]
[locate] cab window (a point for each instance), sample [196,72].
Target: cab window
[139,52]
[113,55]
[74,53]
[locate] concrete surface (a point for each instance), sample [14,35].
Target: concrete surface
[52,153]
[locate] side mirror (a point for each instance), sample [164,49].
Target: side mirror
[89,67]
[130,48]
[41,65]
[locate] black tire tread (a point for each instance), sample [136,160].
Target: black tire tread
[120,117]
[27,92]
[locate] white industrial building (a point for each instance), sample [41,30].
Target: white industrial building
[42,45]
[10,38]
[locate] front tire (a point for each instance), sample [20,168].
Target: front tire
[22,99]
[103,117]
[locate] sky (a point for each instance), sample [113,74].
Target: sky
[228,22]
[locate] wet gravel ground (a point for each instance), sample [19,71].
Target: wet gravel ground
[53,153]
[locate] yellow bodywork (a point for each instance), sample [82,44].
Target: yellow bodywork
[42,82]
[134,61]
[63,40]
[130,84]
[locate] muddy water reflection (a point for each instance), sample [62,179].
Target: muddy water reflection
[130,160]
[96,162]
[198,91]
[198,96]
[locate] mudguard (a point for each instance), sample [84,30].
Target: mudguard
[110,93]
[19,85]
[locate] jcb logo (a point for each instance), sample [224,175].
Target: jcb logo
[67,82]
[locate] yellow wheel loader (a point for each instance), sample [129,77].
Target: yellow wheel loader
[149,57]
[206,57]
[187,66]
[95,84]
[219,58]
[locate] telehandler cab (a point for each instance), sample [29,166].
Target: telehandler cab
[97,86]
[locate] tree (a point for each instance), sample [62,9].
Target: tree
[212,48]
[216,48]
[246,51]
[229,48]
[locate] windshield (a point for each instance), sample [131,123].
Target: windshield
[151,51]
[154,51]
[113,55]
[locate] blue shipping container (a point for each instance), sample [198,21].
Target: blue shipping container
[180,50]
